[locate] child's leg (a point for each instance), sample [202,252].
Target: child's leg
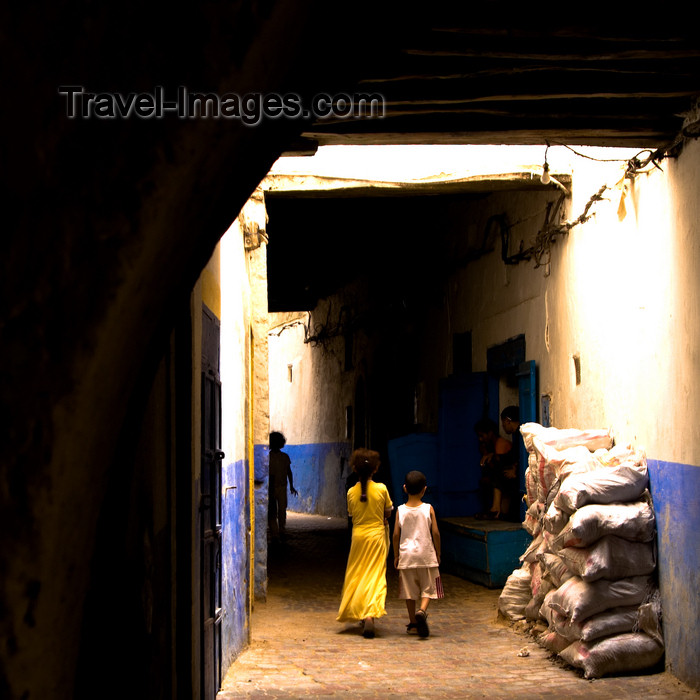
[272,514]
[411,607]
[282,512]
[424,603]
[505,505]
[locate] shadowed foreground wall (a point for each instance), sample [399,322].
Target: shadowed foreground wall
[111,224]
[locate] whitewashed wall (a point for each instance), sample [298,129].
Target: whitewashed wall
[309,390]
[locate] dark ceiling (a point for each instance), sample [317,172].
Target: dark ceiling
[491,74]
[318,245]
[485,75]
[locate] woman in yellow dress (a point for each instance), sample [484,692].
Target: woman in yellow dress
[369,505]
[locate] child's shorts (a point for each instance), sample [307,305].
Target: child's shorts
[422,582]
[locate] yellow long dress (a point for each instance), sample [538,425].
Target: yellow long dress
[364,589]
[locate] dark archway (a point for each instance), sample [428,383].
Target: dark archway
[111,224]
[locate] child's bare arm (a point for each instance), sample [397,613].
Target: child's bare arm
[290,478]
[396,541]
[435,533]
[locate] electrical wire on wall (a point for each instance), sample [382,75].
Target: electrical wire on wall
[540,249]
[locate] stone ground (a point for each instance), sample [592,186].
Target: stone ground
[298,650]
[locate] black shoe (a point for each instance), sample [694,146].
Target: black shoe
[368,632]
[422,623]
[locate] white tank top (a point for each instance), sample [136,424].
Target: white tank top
[416,544]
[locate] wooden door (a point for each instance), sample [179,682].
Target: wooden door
[210,512]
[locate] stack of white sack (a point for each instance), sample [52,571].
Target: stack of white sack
[591,565]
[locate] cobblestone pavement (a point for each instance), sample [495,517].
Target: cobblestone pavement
[298,650]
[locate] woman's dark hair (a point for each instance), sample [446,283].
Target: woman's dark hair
[277,441]
[364,462]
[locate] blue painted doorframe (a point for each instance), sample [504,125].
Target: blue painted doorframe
[527,397]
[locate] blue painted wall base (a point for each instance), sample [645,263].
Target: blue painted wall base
[320,471]
[235,573]
[675,490]
[261,463]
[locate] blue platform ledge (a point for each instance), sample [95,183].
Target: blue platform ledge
[482,551]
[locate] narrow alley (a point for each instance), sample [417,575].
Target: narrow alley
[298,649]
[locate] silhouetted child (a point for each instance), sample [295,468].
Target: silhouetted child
[280,471]
[417,553]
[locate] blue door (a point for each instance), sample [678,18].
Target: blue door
[463,401]
[527,396]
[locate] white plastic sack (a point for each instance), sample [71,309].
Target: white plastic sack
[550,463]
[632,521]
[605,624]
[610,557]
[554,569]
[552,641]
[546,611]
[561,439]
[555,519]
[531,479]
[533,518]
[516,594]
[618,654]
[539,587]
[537,545]
[615,457]
[623,483]
[535,577]
[650,618]
[621,454]
[532,610]
[579,600]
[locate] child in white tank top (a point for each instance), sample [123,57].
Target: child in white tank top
[417,553]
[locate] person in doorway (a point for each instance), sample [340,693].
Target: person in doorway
[494,485]
[510,420]
[363,596]
[280,472]
[417,553]
[510,462]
